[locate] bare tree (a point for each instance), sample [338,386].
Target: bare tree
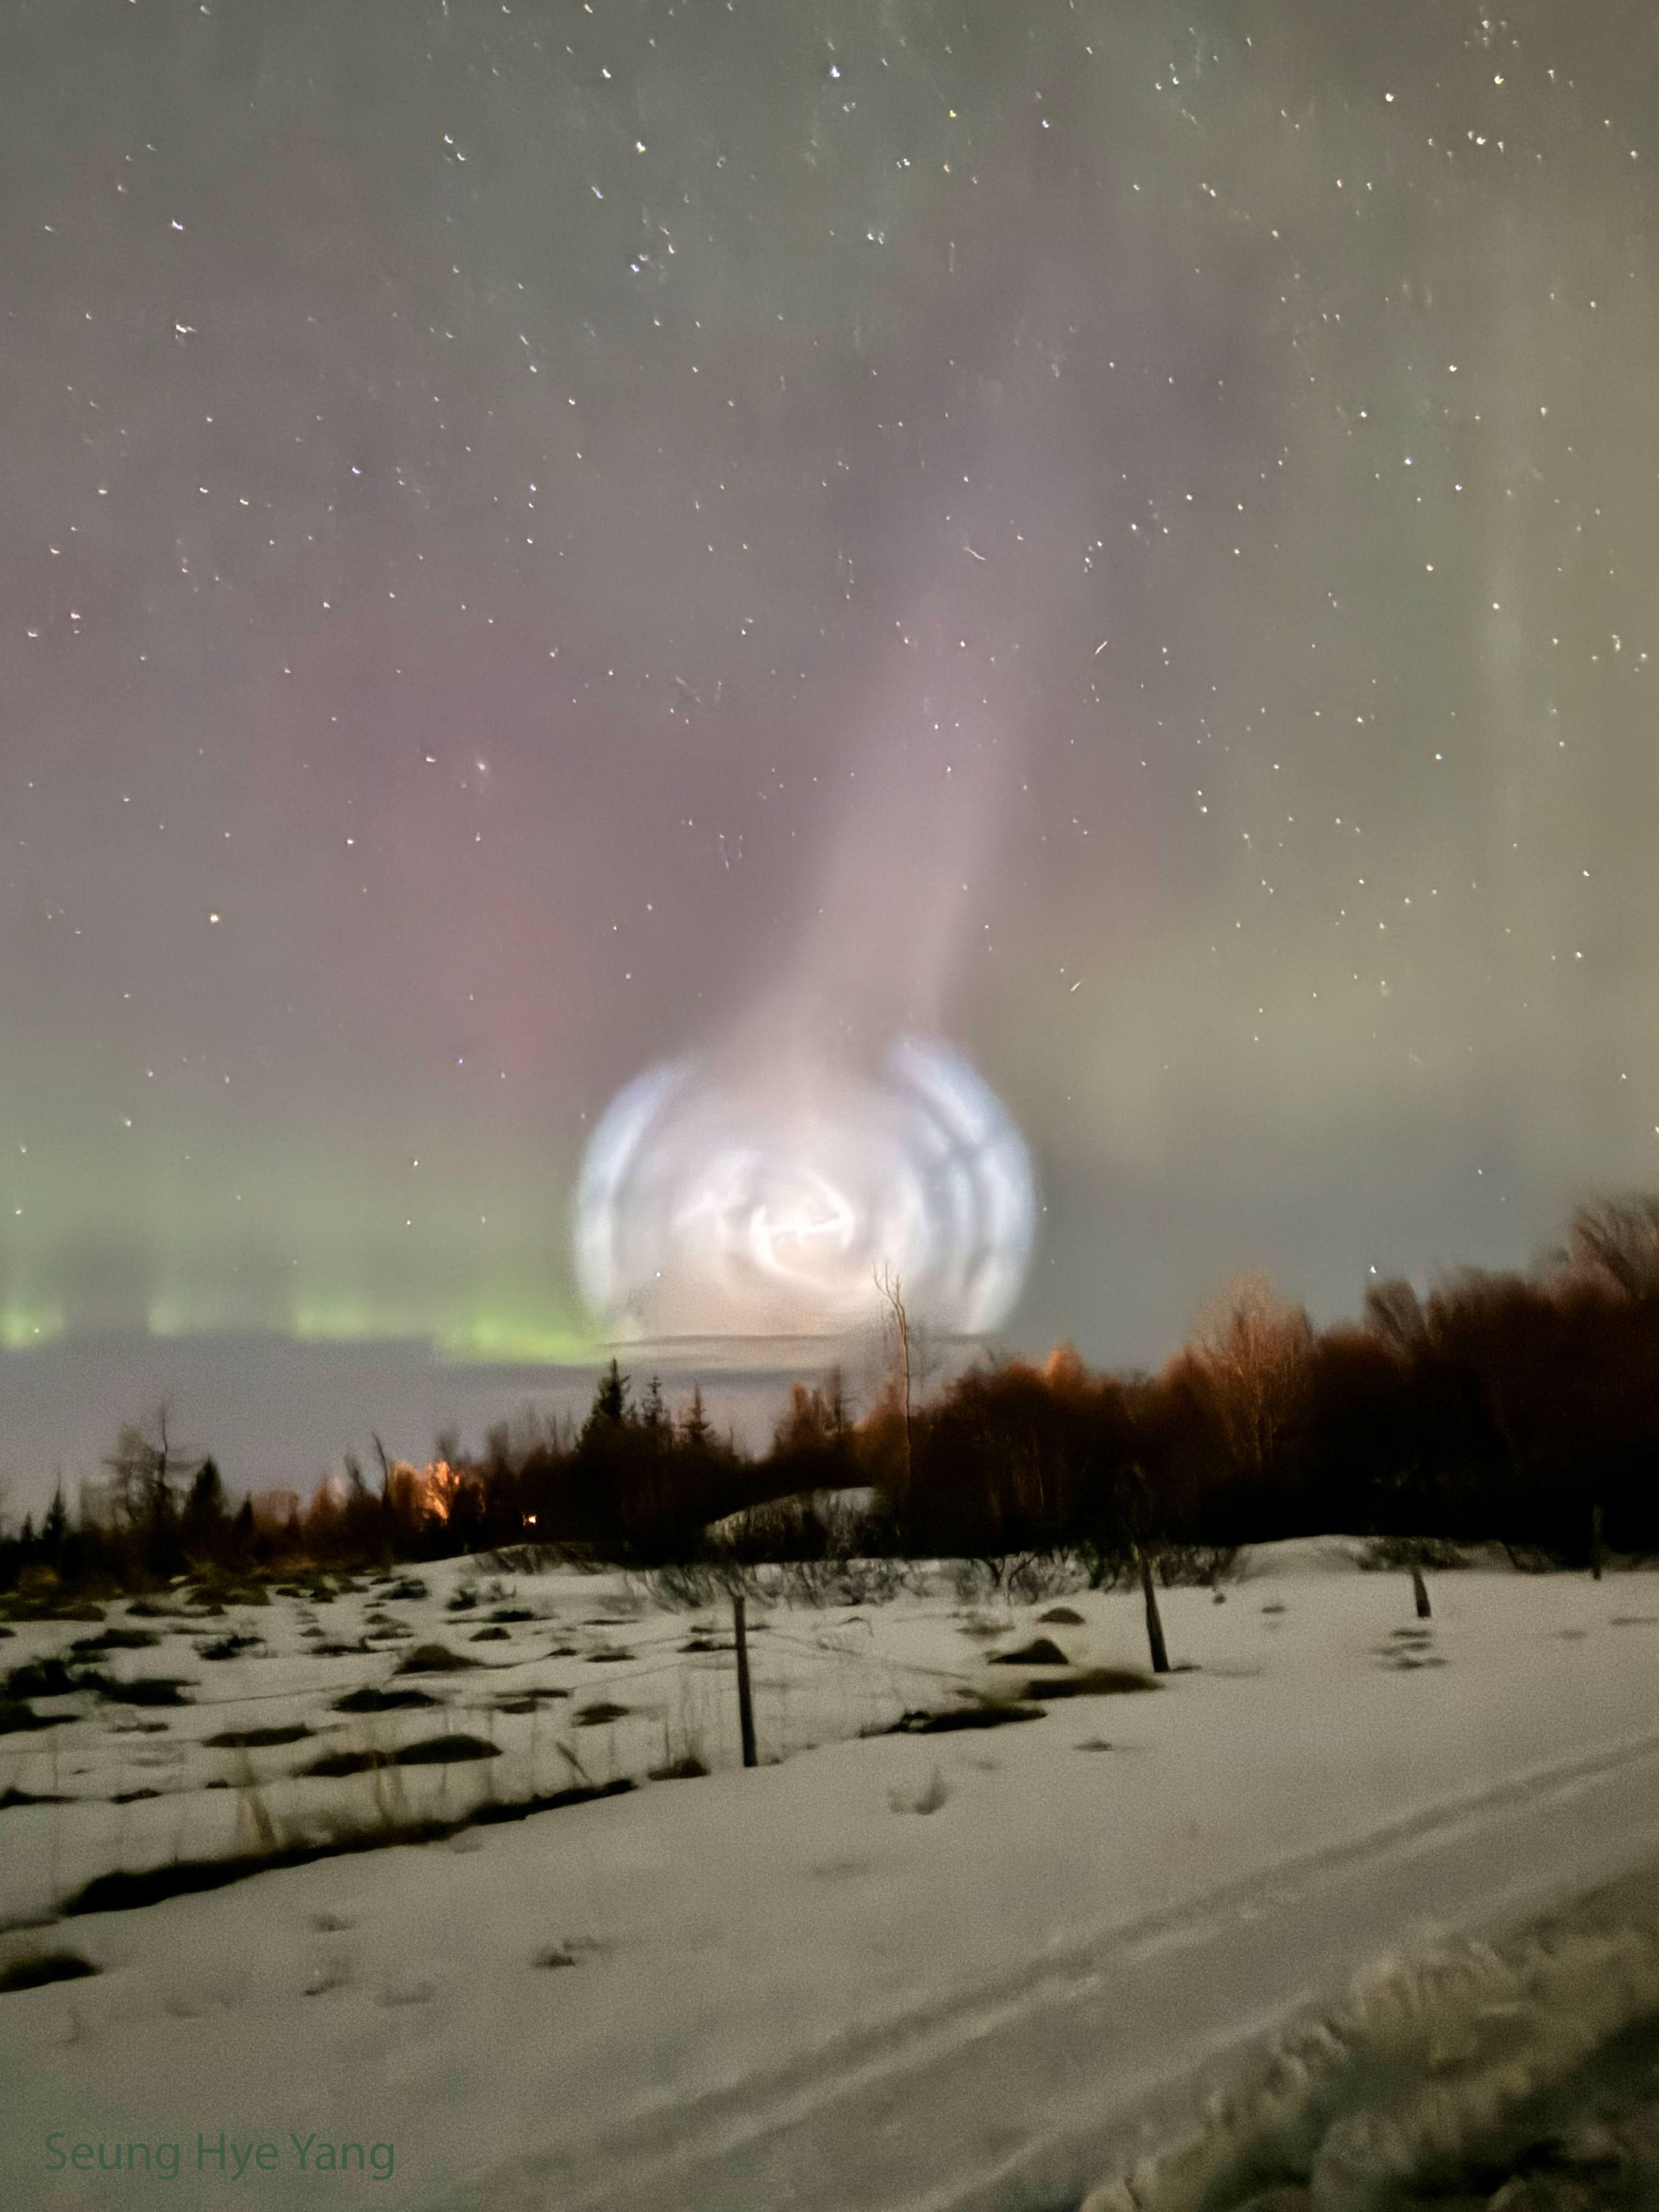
[1395,1314]
[1258,1344]
[1618,1241]
[144,1465]
[890,1291]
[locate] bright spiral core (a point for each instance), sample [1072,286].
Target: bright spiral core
[765,1204]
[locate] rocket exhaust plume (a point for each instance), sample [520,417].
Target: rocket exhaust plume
[759,1187]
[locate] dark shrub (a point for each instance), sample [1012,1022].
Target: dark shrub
[255,1739]
[433,1659]
[369,1699]
[46,1967]
[15,1718]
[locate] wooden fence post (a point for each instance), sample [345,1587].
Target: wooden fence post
[1421,1592]
[746,1696]
[1154,1625]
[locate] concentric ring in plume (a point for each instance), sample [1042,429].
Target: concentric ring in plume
[764,1202]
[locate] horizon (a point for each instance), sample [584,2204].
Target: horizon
[278,1411]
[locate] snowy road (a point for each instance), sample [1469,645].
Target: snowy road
[1099,2048]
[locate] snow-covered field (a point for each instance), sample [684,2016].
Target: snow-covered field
[897,1969]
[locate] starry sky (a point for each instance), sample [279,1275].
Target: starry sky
[541,536]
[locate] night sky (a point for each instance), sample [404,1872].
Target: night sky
[544,537]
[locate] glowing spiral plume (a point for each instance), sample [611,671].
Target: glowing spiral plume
[764,1202]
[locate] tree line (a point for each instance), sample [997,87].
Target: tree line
[1507,1408]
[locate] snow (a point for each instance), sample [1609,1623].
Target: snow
[894,1969]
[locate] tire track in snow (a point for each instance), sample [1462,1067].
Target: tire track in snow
[1015,2093]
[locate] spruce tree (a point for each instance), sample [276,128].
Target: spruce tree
[694,1423]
